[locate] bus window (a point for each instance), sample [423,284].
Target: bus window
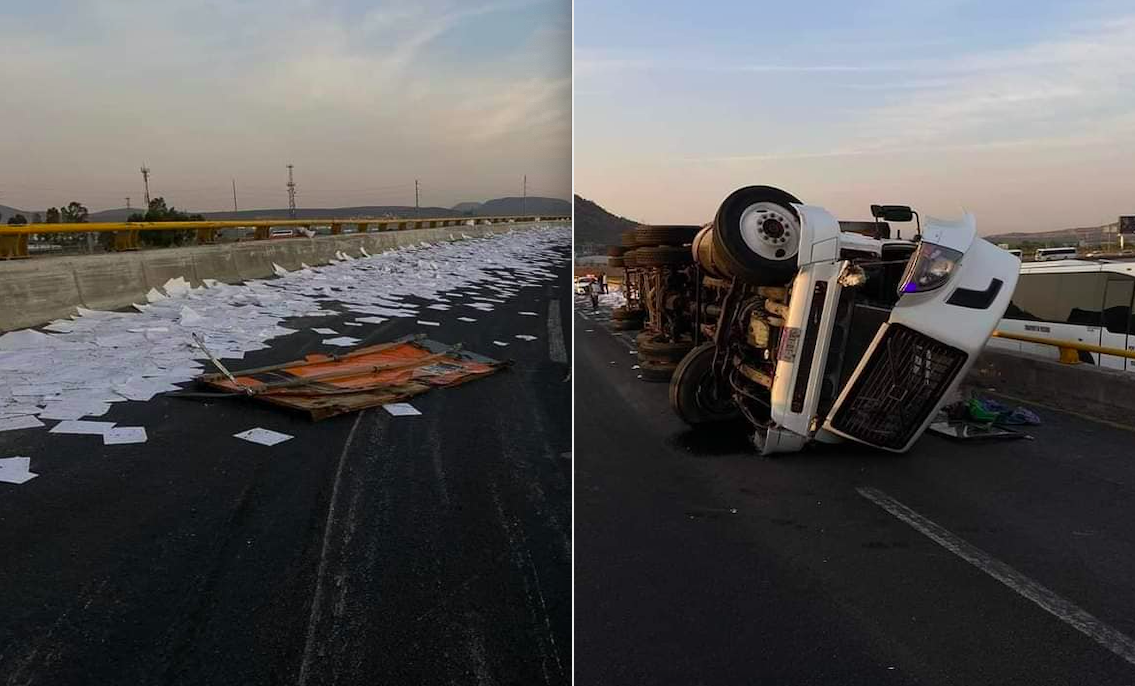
[1068,298]
[1117,303]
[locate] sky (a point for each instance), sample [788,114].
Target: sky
[362,97]
[1021,111]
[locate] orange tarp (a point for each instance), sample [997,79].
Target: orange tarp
[326,385]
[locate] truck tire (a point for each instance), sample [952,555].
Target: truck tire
[662,256]
[673,351]
[665,234]
[756,233]
[656,371]
[693,393]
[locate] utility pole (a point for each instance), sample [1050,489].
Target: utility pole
[146,183]
[417,208]
[234,195]
[524,197]
[128,202]
[291,193]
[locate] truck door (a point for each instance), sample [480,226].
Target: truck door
[1117,320]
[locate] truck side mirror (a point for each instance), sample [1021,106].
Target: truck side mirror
[892,213]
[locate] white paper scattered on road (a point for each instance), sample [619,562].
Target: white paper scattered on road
[82,427]
[466,319]
[73,409]
[372,320]
[326,332]
[120,435]
[401,409]
[351,324]
[525,337]
[263,436]
[24,422]
[500,343]
[437,306]
[14,470]
[427,323]
[529,314]
[341,341]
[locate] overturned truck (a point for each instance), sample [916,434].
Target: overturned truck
[815,331]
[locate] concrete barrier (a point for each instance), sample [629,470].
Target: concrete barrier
[162,266]
[35,291]
[108,282]
[1082,388]
[211,263]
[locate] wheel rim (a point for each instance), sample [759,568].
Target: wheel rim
[771,231]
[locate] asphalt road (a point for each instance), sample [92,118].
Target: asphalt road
[367,549]
[699,562]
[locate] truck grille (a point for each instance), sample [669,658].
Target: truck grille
[898,388]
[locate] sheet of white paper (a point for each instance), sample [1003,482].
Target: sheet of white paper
[427,323]
[529,314]
[120,435]
[326,332]
[342,341]
[82,427]
[466,319]
[24,422]
[525,337]
[372,320]
[500,343]
[263,436]
[351,324]
[14,470]
[401,409]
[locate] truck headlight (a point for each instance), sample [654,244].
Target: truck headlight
[929,268]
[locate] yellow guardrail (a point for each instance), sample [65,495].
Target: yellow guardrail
[1068,349]
[14,238]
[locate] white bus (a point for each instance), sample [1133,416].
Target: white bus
[1073,300]
[1050,254]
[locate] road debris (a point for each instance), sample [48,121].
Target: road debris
[266,437]
[327,385]
[121,435]
[401,409]
[82,427]
[15,470]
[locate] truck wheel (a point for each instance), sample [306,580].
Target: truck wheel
[757,234]
[665,234]
[671,351]
[694,392]
[662,255]
[656,371]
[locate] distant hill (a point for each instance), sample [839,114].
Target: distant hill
[1056,238]
[498,206]
[595,228]
[6,212]
[529,205]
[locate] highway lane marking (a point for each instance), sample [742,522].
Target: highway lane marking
[557,350]
[1047,599]
[321,573]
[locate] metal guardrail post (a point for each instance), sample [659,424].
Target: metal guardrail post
[126,240]
[14,247]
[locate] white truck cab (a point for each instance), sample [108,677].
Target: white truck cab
[865,341]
